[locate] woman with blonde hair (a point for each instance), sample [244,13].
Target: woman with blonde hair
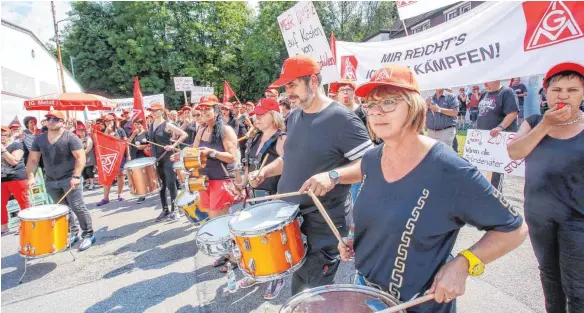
[267,143]
[416,195]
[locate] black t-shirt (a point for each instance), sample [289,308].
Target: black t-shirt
[494,106]
[14,172]
[317,143]
[554,174]
[139,140]
[405,230]
[58,159]
[362,115]
[520,89]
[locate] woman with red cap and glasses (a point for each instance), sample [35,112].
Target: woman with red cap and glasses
[112,129]
[218,142]
[406,218]
[267,143]
[14,177]
[553,147]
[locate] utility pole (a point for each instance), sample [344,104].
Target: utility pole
[63,90]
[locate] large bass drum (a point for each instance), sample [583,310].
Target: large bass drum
[340,298]
[142,176]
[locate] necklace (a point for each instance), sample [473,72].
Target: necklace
[580,116]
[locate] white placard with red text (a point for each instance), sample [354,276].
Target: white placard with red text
[489,153]
[494,41]
[303,34]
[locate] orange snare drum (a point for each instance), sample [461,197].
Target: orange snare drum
[197,183]
[269,244]
[142,176]
[43,229]
[192,159]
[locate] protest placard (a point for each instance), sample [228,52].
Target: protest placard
[183,83]
[303,34]
[489,153]
[198,91]
[496,41]
[128,104]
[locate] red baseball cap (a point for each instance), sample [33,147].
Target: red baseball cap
[209,100]
[272,90]
[346,82]
[562,67]
[475,88]
[55,113]
[156,106]
[80,126]
[295,67]
[265,105]
[226,105]
[390,75]
[5,128]
[186,108]
[334,88]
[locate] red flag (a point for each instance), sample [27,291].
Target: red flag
[227,92]
[109,152]
[334,46]
[138,111]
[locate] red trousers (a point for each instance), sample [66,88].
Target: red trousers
[19,190]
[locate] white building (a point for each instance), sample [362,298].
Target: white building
[28,70]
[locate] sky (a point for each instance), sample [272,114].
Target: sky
[36,16]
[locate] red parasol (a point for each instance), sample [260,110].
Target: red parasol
[70,102]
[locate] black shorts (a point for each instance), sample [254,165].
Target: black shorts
[462,113]
[88,172]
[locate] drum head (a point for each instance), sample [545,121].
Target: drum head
[337,298]
[215,230]
[185,198]
[264,216]
[43,212]
[141,162]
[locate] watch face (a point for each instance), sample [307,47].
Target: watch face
[478,269]
[334,174]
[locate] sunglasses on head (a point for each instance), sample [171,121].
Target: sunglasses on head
[53,119]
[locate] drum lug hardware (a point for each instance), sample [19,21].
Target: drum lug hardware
[27,248]
[236,252]
[246,245]
[32,224]
[284,238]
[54,247]
[264,240]
[288,257]
[252,265]
[53,223]
[33,251]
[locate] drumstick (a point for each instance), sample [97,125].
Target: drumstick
[263,162]
[161,146]
[65,195]
[408,304]
[324,214]
[276,196]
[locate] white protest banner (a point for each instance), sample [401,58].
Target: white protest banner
[495,41]
[408,9]
[303,34]
[198,91]
[128,104]
[489,153]
[183,83]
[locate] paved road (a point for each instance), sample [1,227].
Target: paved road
[140,266]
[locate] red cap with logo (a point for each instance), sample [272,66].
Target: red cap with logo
[156,106]
[55,113]
[562,67]
[390,75]
[209,100]
[295,67]
[265,105]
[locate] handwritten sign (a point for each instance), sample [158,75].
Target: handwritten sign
[197,92]
[303,34]
[183,83]
[489,153]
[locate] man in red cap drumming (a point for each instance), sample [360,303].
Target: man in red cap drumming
[322,138]
[64,160]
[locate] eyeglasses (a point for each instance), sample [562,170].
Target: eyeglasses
[197,115]
[345,90]
[386,106]
[53,119]
[225,109]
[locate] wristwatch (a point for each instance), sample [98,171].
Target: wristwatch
[334,176]
[501,127]
[476,267]
[439,110]
[213,154]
